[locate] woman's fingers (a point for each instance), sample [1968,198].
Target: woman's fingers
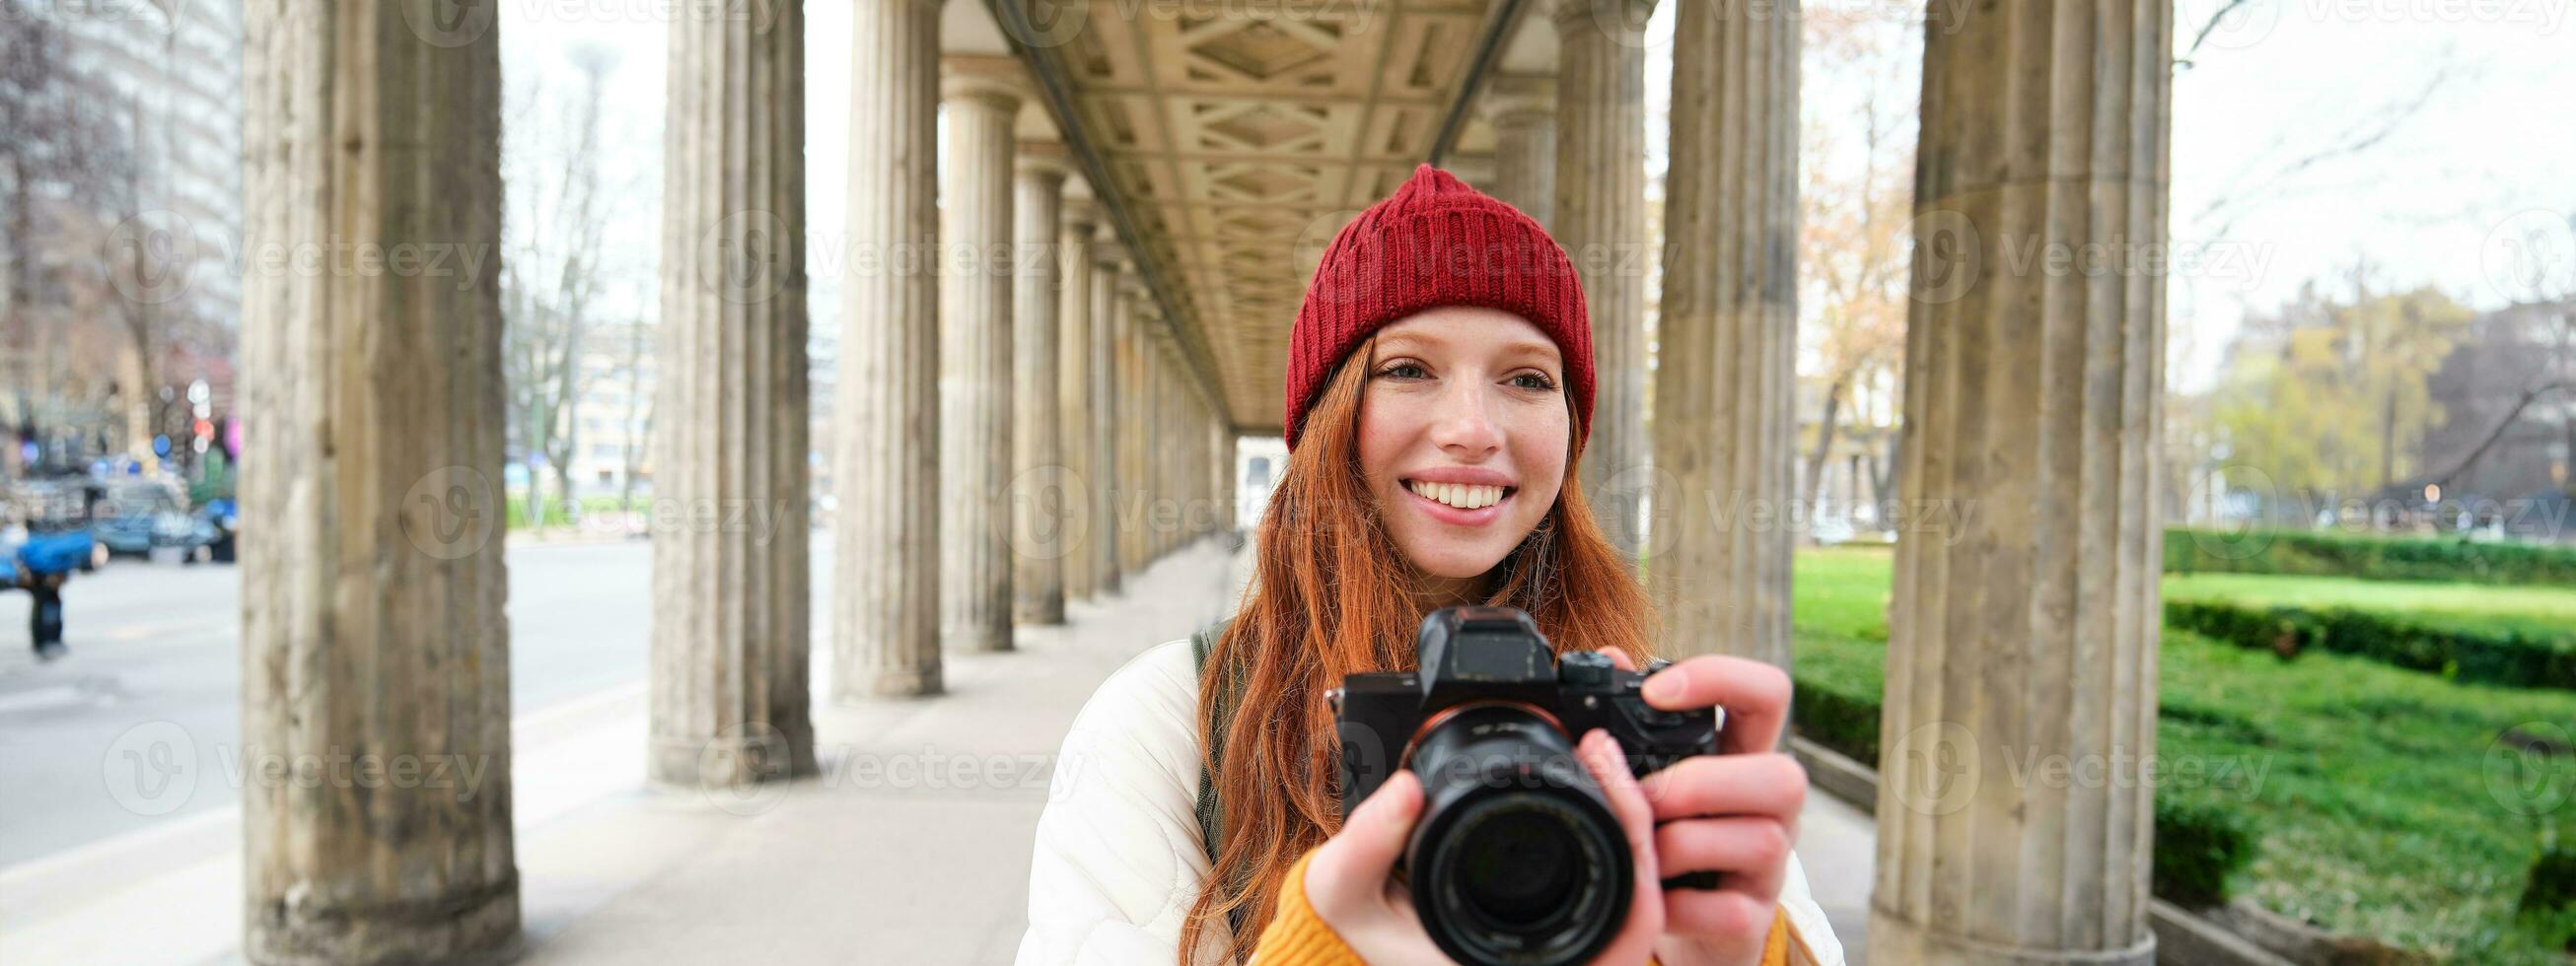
[1751,853]
[1620,658]
[1352,867]
[1727,917]
[1609,767]
[1767,784]
[1755,696]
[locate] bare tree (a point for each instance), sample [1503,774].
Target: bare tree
[1855,235]
[61,152]
[638,418]
[552,282]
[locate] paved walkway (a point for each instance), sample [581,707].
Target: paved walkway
[912,847]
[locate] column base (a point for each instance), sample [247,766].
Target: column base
[476,925]
[1902,942]
[976,640]
[758,756]
[1041,615]
[891,683]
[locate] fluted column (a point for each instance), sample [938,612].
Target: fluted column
[1073,408]
[1223,478]
[1110,322]
[1725,429]
[1135,404]
[982,96]
[1037,490]
[730,612]
[886,530]
[2027,631]
[1600,218]
[372,622]
[1522,110]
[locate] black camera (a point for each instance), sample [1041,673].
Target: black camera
[1516,857]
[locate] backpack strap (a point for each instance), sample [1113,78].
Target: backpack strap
[1229,695]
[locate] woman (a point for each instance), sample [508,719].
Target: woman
[1439,391]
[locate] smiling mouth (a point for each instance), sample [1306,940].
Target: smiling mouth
[1463,496]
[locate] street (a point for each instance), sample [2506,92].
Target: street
[140,725]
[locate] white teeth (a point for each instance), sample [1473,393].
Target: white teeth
[1460,495]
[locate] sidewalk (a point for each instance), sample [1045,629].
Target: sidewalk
[911,847]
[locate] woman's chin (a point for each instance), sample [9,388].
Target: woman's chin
[1452,564]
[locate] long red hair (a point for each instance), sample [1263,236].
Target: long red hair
[1331,596]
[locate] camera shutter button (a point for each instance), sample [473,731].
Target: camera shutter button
[1590,669]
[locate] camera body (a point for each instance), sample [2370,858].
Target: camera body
[1517,857]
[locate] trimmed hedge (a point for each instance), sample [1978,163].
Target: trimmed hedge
[2197,847]
[1836,719]
[2493,656]
[2328,553]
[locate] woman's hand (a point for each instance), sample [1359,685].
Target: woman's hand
[1734,813]
[1350,882]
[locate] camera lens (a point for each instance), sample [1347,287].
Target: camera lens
[1517,859]
[1519,864]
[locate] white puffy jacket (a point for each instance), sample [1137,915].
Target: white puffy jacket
[1118,859]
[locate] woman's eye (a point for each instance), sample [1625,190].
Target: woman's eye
[1402,370]
[1534,381]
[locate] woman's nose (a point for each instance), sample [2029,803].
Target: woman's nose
[1464,423]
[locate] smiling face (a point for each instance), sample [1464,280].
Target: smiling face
[1464,435]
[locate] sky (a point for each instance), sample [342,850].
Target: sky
[2478,162]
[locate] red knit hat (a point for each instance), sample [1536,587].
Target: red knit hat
[1437,242]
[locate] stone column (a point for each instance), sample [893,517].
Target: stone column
[1224,476]
[1600,218]
[1522,110]
[886,530]
[1073,408]
[1035,495]
[2028,630]
[1725,432]
[982,96]
[1109,327]
[373,587]
[730,604]
[1135,402]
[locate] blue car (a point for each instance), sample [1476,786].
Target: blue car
[148,522]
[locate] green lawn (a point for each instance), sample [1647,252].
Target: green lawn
[2368,785]
[2540,611]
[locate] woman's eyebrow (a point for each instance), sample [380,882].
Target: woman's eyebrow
[1529,348]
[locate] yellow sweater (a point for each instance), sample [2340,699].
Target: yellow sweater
[1298,937]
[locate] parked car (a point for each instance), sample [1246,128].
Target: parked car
[141,519]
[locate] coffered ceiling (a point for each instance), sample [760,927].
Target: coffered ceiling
[1239,135]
